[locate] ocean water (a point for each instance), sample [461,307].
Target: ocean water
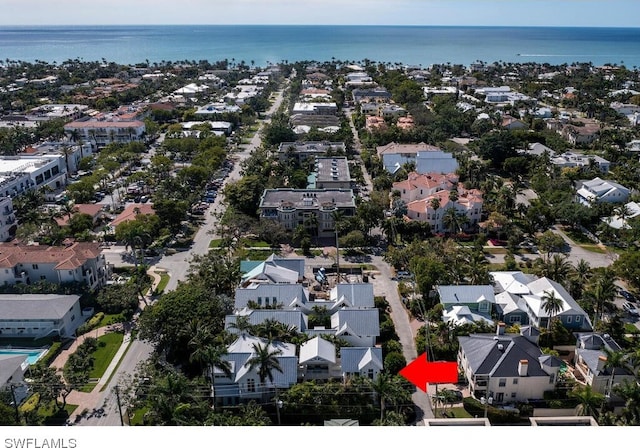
[416,45]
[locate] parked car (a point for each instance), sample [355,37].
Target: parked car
[630,308]
[628,296]
[144,199]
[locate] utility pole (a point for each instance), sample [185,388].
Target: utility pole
[119,406]
[15,403]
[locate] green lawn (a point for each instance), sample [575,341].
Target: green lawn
[164,280]
[52,416]
[631,329]
[138,415]
[248,242]
[458,412]
[109,319]
[103,355]
[215,243]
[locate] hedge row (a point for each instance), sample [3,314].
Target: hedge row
[90,324]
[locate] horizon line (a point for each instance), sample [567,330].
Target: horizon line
[311,25]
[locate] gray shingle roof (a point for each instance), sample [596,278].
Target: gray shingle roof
[486,358]
[35,306]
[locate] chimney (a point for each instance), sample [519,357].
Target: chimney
[500,328]
[523,367]
[602,360]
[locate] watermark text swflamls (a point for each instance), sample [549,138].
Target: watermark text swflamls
[36,442]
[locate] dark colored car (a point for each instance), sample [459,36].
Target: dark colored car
[628,296]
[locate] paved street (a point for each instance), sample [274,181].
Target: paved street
[177,266]
[406,329]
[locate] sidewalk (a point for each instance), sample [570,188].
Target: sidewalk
[90,400]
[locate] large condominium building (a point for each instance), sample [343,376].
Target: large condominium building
[79,262]
[312,208]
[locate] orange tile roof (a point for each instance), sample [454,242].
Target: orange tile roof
[92,210]
[71,257]
[132,210]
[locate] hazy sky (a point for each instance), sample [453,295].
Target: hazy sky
[623,13]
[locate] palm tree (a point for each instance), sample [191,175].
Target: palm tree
[242,325]
[602,292]
[615,360]
[265,360]
[213,357]
[552,305]
[389,390]
[589,402]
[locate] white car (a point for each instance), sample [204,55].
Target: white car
[630,308]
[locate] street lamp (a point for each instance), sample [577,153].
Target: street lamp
[486,402]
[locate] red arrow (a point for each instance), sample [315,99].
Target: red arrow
[421,372]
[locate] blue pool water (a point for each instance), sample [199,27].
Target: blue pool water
[32,355]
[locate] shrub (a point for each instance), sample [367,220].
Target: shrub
[394,362]
[90,324]
[51,354]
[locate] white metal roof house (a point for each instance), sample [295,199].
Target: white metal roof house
[466,303]
[361,361]
[244,383]
[600,190]
[317,360]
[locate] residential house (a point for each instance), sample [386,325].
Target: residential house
[509,287]
[315,209]
[631,111]
[572,159]
[317,360]
[576,131]
[302,150]
[509,368]
[591,362]
[466,303]
[622,222]
[39,315]
[427,158]
[511,123]
[419,186]
[501,95]
[433,208]
[131,211]
[405,123]
[79,262]
[258,294]
[538,149]
[373,122]
[272,270]
[94,210]
[244,383]
[358,327]
[289,317]
[600,190]
[528,293]
[361,361]
[216,110]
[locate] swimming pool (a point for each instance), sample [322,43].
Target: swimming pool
[33,355]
